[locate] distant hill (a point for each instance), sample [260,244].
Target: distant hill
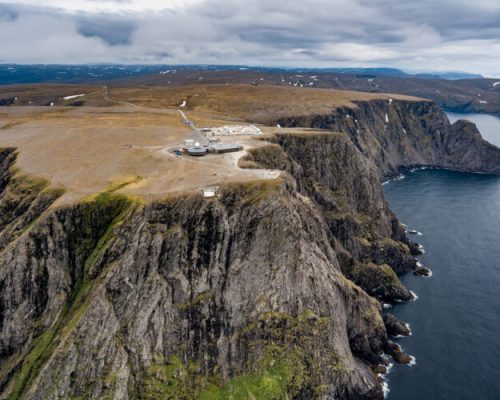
[451,76]
[454,91]
[19,74]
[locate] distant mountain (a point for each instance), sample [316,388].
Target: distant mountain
[18,74]
[368,71]
[451,76]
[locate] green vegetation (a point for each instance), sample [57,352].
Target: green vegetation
[99,218]
[112,209]
[284,368]
[201,298]
[11,124]
[120,184]
[269,156]
[254,192]
[23,202]
[270,382]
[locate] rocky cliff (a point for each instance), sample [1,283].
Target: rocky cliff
[398,134]
[273,289]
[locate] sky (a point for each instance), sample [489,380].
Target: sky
[423,35]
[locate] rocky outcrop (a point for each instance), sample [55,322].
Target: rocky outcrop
[396,353]
[8,101]
[399,134]
[22,199]
[369,241]
[395,327]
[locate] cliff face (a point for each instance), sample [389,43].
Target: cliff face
[396,134]
[114,299]
[189,297]
[270,290]
[343,184]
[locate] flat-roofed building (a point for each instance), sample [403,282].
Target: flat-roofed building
[221,148]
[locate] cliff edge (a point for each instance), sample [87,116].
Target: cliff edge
[397,134]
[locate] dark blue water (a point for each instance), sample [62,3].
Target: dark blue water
[456,320]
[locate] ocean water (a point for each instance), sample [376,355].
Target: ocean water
[456,319]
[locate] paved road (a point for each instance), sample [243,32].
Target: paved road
[109,98]
[197,135]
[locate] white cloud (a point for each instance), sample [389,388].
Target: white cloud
[114,6]
[424,35]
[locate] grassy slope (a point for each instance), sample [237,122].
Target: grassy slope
[256,103]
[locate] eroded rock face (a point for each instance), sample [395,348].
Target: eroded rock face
[369,241]
[398,134]
[274,282]
[221,285]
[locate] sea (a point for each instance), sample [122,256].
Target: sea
[455,321]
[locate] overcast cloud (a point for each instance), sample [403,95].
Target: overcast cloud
[413,35]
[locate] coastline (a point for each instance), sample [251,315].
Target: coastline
[455,285]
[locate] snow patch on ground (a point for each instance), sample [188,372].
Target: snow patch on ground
[76,96]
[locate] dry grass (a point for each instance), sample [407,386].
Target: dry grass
[92,149]
[89,150]
[259,104]
[44,94]
[204,120]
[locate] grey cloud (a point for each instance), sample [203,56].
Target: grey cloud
[449,34]
[114,32]
[7,13]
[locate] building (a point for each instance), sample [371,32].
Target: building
[221,148]
[197,151]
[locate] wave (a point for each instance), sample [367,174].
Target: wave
[412,362]
[385,381]
[385,387]
[397,178]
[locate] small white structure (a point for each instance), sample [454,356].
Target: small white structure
[234,130]
[210,192]
[189,142]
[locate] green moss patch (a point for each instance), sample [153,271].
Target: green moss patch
[99,218]
[287,358]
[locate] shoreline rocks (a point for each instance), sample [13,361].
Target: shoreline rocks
[395,327]
[423,272]
[394,350]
